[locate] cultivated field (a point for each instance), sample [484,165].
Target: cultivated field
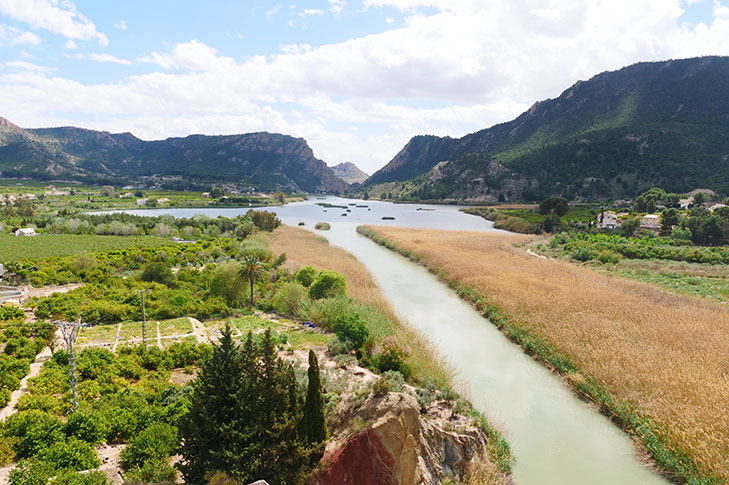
[305,248]
[14,248]
[667,354]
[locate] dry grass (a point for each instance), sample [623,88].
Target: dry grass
[665,353]
[305,248]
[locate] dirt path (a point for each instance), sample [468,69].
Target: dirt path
[116,340]
[159,337]
[29,291]
[198,329]
[35,368]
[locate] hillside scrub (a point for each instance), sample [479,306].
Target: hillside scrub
[655,362]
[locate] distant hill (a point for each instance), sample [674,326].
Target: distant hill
[264,160]
[653,123]
[350,173]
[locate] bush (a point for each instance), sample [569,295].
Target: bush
[289,298]
[322,226]
[338,346]
[328,284]
[70,454]
[69,477]
[35,473]
[392,358]
[306,275]
[159,273]
[607,256]
[6,450]
[154,443]
[350,327]
[8,312]
[583,253]
[87,426]
[35,430]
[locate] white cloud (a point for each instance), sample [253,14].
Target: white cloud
[389,20]
[108,58]
[122,25]
[471,64]
[70,45]
[58,17]
[336,6]
[273,11]
[308,12]
[13,36]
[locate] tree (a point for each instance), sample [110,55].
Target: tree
[700,199]
[208,429]
[227,284]
[669,218]
[306,275]
[251,269]
[630,227]
[554,205]
[313,424]
[216,192]
[158,272]
[281,198]
[245,416]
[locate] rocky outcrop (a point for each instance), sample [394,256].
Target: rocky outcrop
[401,446]
[350,173]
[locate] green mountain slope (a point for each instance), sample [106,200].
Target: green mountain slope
[264,160]
[659,123]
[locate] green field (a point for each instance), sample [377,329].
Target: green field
[14,248]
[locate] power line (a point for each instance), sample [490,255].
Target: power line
[70,330]
[144,316]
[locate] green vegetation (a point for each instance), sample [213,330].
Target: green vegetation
[246,417]
[14,248]
[322,226]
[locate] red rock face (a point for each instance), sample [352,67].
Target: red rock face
[362,460]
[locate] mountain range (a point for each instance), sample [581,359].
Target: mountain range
[350,173]
[266,161]
[650,124]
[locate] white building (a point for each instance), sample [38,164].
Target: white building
[141,202]
[26,231]
[607,220]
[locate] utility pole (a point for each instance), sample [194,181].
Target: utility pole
[70,330]
[144,317]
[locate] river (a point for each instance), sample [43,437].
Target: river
[556,437]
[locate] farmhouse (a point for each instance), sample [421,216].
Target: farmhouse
[206,195]
[26,231]
[607,220]
[650,221]
[141,201]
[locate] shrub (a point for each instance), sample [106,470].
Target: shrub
[607,256]
[392,358]
[87,426]
[328,284]
[583,253]
[8,312]
[154,443]
[306,275]
[155,470]
[72,453]
[322,226]
[35,430]
[350,327]
[338,346]
[289,298]
[69,477]
[227,284]
[31,473]
[6,450]
[159,273]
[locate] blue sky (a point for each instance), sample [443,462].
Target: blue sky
[357,79]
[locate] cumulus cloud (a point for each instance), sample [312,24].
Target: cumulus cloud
[122,25]
[13,36]
[469,65]
[108,58]
[60,18]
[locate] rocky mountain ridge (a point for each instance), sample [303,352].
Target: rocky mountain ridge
[264,160]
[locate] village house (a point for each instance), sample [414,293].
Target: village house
[141,202]
[206,195]
[685,203]
[126,195]
[650,221]
[607,220]
[163,200]
[25,231]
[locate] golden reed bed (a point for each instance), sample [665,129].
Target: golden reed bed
[667,354]
[305,248]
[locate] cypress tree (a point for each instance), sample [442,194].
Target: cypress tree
[313,423]
[208,428]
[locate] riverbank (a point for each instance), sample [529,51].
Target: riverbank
[651,360]
[305,248]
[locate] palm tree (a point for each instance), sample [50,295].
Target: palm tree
[250,270]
